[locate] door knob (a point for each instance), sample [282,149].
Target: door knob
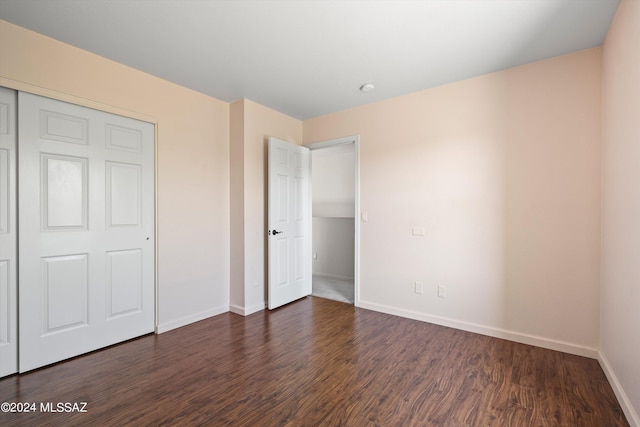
[274,232]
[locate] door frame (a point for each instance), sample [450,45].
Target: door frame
[106,108]
[355,140]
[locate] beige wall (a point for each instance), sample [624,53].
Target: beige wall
[620,291]
[503,172]
[192,160]
[251,126]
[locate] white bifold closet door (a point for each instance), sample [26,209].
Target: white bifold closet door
[8,234]
[86,230]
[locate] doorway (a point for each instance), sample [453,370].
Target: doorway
[335,229]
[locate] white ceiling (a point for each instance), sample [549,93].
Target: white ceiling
[306,58]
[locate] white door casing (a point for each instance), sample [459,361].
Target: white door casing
[289,222]
[86,218]
[8,234]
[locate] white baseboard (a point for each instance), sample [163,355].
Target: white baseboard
[237,309]
[245,311]
[485,330]
[165,327]
[332,276]
[623,399]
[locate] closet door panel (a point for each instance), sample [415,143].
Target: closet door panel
[8,234]
[86,183]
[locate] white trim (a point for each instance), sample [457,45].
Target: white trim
[237,309]
[632,416]
[72,99]
[156,233]
[184,321]
[518,337]
[245,311]
[333,142]
[353,139]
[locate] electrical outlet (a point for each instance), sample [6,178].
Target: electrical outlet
[417,231]
[419,288]
[442,291]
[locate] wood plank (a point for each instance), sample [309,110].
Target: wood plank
[319,362]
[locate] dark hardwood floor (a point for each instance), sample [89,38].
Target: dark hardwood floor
[318,362]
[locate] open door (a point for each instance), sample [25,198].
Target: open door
[289,222]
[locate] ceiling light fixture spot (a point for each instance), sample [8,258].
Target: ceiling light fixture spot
[367,87]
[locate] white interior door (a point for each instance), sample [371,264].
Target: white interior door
[289,220]
[86,219]
[8,234]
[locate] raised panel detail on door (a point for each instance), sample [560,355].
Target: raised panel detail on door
[5,312]
[283,199]
[4,191]
[64,192]
[283,158]
[8,234]
[65,287]
[63,127]
[283,268]
[125,139]
[4,118]
[124,284]
[299,194]
[299,244]
[86,217]
[123,194]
